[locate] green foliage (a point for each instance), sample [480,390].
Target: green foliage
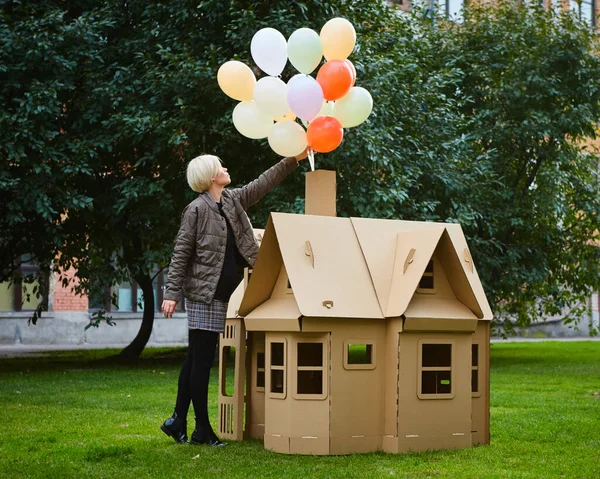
[533,84]
[483,123]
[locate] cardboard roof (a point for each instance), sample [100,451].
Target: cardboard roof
[362,268]
[236,298]
[324,263]
[396,280]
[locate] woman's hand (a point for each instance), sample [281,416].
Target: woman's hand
[169,307]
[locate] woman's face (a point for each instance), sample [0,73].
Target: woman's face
[223,178]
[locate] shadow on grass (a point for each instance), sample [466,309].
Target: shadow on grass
[93,359]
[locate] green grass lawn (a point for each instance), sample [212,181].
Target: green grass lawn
[75,414]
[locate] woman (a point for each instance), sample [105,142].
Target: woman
[214,244]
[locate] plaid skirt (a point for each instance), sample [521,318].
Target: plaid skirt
[207,316]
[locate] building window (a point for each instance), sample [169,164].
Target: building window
[475,392]
[260,371]
[359,354]
[585,11]
[277,376]
[127,297]
[450,8]
[23,295]
[427,284]
[311,371]
[435,370]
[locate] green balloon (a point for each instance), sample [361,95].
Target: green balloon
[305,50]
[354,108]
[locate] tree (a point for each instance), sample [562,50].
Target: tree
[487,138]
[532,78]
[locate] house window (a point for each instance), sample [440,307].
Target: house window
[475,392]
[277,376]
[260,371]
[427,284]
[311,373]
[359,354]
[585,11]
[435,370]
[22,295]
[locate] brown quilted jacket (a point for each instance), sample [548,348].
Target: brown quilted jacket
[200,244]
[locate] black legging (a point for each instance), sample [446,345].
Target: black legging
[194,376]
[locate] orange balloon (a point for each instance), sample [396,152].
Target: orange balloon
[335,78]
[324,134]
[349,63]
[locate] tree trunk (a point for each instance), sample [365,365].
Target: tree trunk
[136,346]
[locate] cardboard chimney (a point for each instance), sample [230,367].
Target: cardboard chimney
[354,335]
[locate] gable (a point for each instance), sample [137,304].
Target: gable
[325,266]
[462,274]
[412,244]
[265,272]
[414,250]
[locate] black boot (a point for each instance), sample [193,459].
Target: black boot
[176,428]
[205,435]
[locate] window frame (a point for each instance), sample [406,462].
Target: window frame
[477,368]
[432,276]
[324,368]
[24,269]
[421,369]
[368,342]
[271,367]
[257,388]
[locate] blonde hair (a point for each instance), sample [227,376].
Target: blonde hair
[201,170]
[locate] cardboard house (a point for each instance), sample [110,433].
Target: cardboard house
[355,335]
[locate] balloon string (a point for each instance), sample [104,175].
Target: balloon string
[311,158]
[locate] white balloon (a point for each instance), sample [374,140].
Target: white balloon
[287,138]
[270,95]
[305,50]
[250,121]
[269,51]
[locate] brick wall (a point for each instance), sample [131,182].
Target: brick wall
[65,299]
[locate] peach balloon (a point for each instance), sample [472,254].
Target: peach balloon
[349,63]
[338,38]
[335,78]
[324,134]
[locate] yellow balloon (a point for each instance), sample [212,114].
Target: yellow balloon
[338,38]
[236,80]
[288,116]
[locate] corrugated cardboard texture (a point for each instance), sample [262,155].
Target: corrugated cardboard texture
[231,409]
[459,242]
[346,398]
[480,426]
[444,423]
[320,193]
[339,275]
[255,395]
[236,298]
[408,272]
[425,306]
[378,240]
[268,264]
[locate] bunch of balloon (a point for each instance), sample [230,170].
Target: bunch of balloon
[269,108]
